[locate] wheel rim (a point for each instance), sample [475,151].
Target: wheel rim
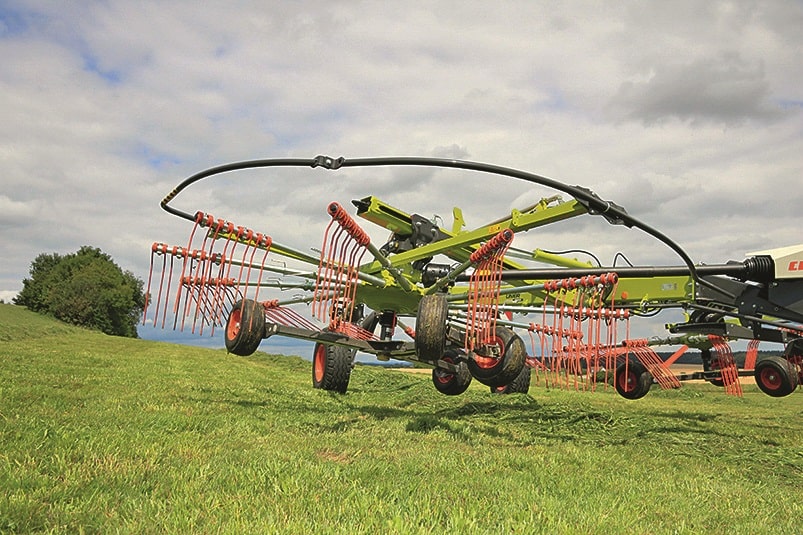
[319,364]
[627,380]
[488,363]
[233,327]
[770,378]
[442,376]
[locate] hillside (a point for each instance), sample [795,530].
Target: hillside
[101,434]
[19,323]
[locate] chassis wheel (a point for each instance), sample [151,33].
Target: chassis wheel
[632,380]
[715,365]
[245,327]
[331,367]
[430,327]
[499,371]
[519,385]
[794,355]
[448,382]
[776,376]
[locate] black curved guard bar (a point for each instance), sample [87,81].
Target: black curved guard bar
[612,212]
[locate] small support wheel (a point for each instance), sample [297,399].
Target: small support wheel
[448,382]
[632,380]
[776,376]
[711,365]
[794,355]
[717,365]
[519,385]
[430,327]
[331,367]
[501,370]
[245,327]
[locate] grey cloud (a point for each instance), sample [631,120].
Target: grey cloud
[14,213]
[725,89]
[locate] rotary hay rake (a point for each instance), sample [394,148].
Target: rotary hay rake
[493,312]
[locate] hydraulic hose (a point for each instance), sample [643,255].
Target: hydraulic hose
[595,205]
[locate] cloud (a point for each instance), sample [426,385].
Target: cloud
[687,113]
[16,213]
[722,90]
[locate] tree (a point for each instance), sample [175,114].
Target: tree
[85,288]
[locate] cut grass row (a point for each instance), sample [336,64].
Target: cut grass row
[108,435]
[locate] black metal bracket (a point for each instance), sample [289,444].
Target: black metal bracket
[612,212]
[327,162]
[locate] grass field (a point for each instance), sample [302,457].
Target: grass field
[108,435]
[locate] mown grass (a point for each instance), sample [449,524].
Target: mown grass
[109,435]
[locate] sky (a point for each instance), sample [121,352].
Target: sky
[688,114]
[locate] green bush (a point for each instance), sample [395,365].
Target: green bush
[85,288]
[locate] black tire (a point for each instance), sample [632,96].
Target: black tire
[503,370]
[794,355]
[448,382]
[430,327]
[331,367]
[709,365]
[632,380]
[776,376]
[716,365]
[519,385]
[245,327]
